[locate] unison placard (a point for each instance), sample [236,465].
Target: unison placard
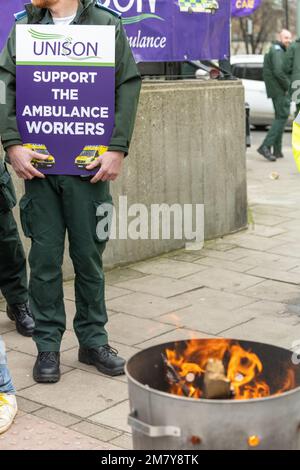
[65,93]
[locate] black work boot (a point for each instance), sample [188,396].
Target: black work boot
[46,368]
[278,155]
[266,152]
[21,314]
[104,358]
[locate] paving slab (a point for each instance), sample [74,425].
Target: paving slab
[57,416]
[20,343]
[273,290]
[115,417]
[254,242]
[177,334]
[169,268]
[275,275]
[287,249]
[237,266]
[124,441]
[270,220]
[33,433]
[98,432]
[183,255]
[210,321]
[79,393]
[217,278]
[28,406]
[158,285]
[127,329]
[117,275]
[265,231]
[213,298]
[146,305]
[266,330]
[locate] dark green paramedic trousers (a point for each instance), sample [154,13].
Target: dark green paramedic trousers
[50,208]
[282,110]
[13,279]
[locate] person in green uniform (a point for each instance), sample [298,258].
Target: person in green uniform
[13,278]
[54,205]
[291,67]
[277,86]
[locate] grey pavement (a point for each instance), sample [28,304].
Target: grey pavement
[245,285]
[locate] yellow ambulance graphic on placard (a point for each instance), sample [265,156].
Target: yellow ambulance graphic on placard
[199,6]
[89,154]
[41,148]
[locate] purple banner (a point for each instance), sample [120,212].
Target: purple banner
[65,94]
[161,30]
[176,30]
[7,19]
[244,7]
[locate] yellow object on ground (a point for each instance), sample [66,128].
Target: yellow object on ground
[296,141]
[8,411]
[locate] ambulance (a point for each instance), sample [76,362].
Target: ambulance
[199,6]
[42,164]
[89,154]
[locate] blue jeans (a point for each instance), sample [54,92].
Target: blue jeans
[6,385]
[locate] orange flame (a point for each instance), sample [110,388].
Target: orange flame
[244,369]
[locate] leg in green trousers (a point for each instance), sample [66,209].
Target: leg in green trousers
[13,278]
[275,134]
[50,208]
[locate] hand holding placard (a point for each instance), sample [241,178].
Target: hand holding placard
[20,158]
[110,166]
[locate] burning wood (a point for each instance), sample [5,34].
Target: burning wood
[173,377]
[216,384]
[218,368]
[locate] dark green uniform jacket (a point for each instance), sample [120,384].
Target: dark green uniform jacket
[277,82]
[291,63]
[128,81]
[7,193]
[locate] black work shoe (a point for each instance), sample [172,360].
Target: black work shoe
[104,358]
[21,314]
[278,155]
[46,368]
[266,152]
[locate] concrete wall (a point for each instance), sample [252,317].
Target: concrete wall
[188,147]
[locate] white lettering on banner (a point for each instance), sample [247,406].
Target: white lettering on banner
[61,111]
[62,77]
[141,42]
[65,128]
[139,5]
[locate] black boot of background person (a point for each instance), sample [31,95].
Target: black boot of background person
[104,358]
[278,155]
[46,368]
[21,314]
[266,152]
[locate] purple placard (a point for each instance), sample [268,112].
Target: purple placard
[65,106]
[244,7]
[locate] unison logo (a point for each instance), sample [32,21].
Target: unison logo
[48,44]
[139,6]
